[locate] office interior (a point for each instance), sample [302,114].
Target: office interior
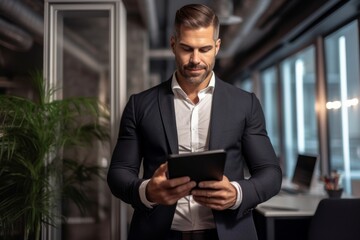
[300,57]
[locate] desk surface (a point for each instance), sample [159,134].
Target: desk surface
[285,205]
[294,205]
[300,208]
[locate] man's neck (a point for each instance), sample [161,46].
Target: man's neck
[192,89]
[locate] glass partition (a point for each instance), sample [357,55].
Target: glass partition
[298,88]
[343,93]
[269,99]
[84,46]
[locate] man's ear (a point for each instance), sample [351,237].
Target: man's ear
[172,43]
[217,46]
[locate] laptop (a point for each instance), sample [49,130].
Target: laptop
[303,175]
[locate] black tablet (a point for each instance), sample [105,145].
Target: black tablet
[199,166]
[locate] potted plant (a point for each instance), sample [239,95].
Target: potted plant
[33,170]
[332,184]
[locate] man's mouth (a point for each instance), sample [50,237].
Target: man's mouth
[194,69]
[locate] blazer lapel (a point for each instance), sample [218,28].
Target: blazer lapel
[167,112]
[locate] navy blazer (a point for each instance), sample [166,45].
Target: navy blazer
[148,134]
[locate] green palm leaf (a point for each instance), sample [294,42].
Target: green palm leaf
[32,136]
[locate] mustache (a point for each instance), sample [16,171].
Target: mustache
[192,66]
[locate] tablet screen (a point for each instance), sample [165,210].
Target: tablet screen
[199,166]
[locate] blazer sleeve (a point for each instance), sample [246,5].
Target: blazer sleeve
[125,163]
[263,164]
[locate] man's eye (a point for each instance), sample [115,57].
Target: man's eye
[204,50]
[187,49]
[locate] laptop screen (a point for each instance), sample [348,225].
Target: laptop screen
[304,171]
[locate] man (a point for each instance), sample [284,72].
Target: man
[193,111]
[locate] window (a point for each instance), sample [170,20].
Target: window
[298,104]
[269,100]
[343,88]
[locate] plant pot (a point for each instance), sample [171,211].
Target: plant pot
[334,193]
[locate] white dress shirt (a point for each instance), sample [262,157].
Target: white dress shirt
[192,122]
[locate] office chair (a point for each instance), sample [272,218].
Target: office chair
[336,219]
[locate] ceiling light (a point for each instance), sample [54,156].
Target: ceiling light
[224,9]
[230,20]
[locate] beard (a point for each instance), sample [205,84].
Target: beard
[195,77]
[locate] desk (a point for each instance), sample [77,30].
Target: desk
[286,207]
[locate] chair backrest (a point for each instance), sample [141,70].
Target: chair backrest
[336,219]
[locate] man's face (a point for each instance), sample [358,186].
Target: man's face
[195,51]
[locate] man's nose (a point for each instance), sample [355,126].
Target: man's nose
[194,58]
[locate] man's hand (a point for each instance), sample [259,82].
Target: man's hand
[162,190]
[218,195]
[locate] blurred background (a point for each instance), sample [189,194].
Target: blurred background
[300,57]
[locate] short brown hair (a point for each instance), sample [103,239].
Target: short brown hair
[196,16]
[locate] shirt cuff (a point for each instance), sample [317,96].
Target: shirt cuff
[238,196]
[142,192]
